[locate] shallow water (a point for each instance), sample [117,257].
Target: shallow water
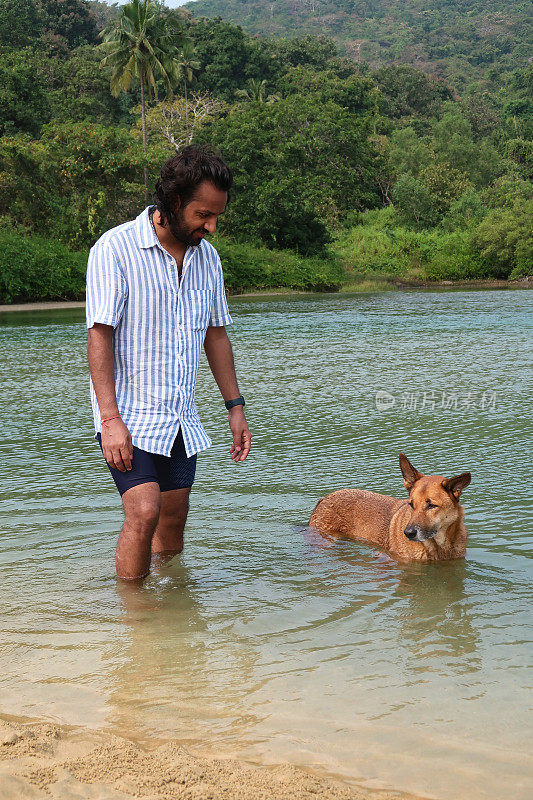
[265,640]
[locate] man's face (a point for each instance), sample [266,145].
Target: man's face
[199,217]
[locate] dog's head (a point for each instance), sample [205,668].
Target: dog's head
[434,500]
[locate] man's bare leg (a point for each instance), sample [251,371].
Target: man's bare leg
[168,537]
[142,504]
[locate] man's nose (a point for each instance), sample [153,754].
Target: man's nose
[210,225]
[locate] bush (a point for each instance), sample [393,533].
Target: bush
[249,267]
[33,268]
[505,239]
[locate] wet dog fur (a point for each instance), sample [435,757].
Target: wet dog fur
[427,526]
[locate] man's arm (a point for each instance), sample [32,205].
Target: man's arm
[219,354]
[116,439]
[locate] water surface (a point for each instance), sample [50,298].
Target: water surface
[265,640]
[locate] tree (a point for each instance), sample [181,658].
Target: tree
[321,148]
[505,238]
[67,23]
[255,92]
[178,122]
[186,66]
[143,45]
[454,144]
[77,90]
[19,23]
[23,102]
[413,202]
[85,174]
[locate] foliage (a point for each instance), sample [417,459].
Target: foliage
[78,90]
[67,23]
[415,171]
[461,41]
[34,268]
[319,152]
[178,122]
[23,102]
[247,266]
[20,23]
[505,239]
[143,45]
[380,246]
[88,177]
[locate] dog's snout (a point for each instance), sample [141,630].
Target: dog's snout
[411,532]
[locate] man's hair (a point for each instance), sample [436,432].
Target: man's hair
[181,175]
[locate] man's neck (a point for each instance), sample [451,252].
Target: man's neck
[166,238]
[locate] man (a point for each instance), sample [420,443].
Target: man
[155,295]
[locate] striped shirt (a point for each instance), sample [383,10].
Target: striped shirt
[159,326]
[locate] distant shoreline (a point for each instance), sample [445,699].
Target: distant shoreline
[524,283]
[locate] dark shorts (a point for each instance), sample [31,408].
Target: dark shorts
[170,472]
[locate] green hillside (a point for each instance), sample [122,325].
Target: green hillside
[453,39]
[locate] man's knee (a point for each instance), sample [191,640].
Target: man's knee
[142,506]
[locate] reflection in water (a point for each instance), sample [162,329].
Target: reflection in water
[262,638]
[169,664]
[437,621]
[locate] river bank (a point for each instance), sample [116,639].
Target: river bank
[43,760]
[365,286]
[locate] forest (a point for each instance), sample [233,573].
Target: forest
[406,162]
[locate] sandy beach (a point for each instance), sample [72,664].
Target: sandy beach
[43,760]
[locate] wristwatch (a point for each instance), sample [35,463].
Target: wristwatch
[239,401]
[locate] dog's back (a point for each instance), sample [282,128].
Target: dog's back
[358,514]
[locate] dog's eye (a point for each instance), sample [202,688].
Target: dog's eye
[430,505]
[410,504]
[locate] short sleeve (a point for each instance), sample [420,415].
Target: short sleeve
[219,311]
[106,289]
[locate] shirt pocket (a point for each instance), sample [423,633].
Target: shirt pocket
[196,307]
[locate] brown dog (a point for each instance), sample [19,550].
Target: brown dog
[428,526]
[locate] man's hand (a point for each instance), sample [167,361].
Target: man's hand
[117,445]
[242,439]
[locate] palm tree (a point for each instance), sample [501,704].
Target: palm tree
[256,93]
[186,67]
[145,45]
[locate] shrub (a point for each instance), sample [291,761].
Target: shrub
[33,268]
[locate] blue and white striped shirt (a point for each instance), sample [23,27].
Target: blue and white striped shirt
[159,326]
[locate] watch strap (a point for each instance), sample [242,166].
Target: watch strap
[239,401]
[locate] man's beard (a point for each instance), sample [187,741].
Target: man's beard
[181,232]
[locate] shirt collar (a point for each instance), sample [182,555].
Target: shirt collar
[145,231]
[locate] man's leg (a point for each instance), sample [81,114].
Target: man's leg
[168,537]
[142,504]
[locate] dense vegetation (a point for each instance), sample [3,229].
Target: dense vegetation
[467,42]
[385,170]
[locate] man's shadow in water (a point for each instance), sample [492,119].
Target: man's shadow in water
[430,601]
[177,675]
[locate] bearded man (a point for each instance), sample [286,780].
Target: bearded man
[155,297]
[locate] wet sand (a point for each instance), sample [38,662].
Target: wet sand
[44,760]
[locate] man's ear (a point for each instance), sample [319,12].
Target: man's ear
[456,484]
[410,474]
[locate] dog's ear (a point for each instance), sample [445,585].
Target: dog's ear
[410,474]
[456,484]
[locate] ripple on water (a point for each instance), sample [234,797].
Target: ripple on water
[266,637]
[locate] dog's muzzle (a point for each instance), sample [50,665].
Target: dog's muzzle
[417,534]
